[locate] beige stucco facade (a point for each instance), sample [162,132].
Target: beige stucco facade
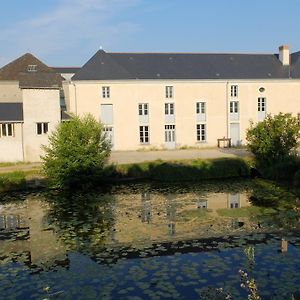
[86,97]
[11,147]
[10,91]
[39,106]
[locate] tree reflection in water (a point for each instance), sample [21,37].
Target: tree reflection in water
[83,222]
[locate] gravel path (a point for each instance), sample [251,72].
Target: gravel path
[123,157]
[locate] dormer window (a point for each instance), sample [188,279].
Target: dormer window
[32,68]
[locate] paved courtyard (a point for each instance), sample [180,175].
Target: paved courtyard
[123,157]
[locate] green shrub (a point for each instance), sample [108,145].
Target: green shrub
[77,153]
[274,143]
[280,170]
[275,139]
[297,178]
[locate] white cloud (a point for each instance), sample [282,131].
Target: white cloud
[73,27]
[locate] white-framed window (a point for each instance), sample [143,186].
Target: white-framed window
[143,109]
[261,104]
[201,132]
[105,92]
[169,91]
[7,129]
[144,134]
[106,114]
[169,108]
[169,133]
[234,90]
[32,68]
[200,107]
[234,107]
[42,128]
[109,134]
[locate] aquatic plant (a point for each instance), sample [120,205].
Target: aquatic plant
[249,283]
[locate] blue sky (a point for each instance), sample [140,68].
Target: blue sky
[69,32]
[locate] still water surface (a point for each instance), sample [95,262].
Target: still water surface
[150,241]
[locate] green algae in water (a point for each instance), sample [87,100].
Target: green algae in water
[120,244]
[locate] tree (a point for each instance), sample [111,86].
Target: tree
[77,153]
[274,139]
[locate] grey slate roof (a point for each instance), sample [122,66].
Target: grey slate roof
[64,115]
[295,65]
[11,112]
[114,66]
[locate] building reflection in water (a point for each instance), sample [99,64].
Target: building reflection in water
[171,214]
[234,201]
[131,218]
[24,234]
[10,222]
[146,209]
[284,245]
[201,204]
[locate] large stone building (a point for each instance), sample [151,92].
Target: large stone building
[173,100]
[157,100]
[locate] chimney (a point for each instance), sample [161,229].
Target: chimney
[284,55]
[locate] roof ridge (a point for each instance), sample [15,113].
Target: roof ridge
[213,53]
[64,67]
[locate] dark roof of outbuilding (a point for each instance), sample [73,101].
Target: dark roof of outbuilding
[41,76]
[11,112]
[113,66]
[66,70]
[20,65]
[40,80]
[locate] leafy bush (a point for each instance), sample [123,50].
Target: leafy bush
[274,139]
[280,170]
[77,153]
[297,178]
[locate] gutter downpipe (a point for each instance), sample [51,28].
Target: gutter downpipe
[75,97]
[22,132]
[227,112]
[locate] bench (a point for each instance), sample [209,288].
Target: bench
[226,142]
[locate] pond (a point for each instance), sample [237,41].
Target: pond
[152,241]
